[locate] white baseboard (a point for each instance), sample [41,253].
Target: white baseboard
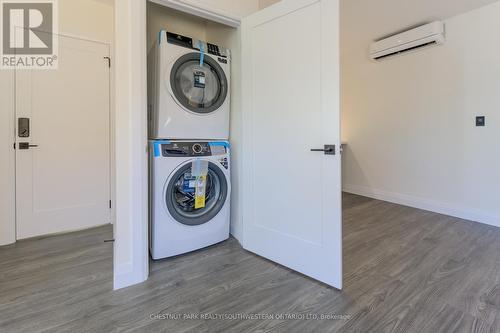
[425,204]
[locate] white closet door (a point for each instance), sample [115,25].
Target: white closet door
[292,195]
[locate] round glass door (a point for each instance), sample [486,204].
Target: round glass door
[180,196]
[200,89]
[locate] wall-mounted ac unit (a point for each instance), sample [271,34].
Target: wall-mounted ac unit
[423,36]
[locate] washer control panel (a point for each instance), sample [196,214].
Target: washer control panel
[194,149]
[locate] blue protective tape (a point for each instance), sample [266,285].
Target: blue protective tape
[202,53]
[159,36]
[157,145]
[220,144]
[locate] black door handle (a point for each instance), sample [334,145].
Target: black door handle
[328,150]
[26,145]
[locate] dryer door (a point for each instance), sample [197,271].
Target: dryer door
[201,89]
[180,195]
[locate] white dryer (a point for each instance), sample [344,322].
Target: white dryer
[176,225]
[188,89]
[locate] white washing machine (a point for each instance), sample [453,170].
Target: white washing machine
[176,225]
[188,89]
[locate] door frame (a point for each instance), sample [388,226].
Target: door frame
[131,246]
[8,226]
[13,238]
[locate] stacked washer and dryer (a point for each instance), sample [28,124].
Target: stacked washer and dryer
[188,109]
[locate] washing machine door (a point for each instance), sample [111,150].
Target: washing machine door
[180,197]
[201,89]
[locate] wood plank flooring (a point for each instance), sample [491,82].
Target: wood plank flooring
[406,270]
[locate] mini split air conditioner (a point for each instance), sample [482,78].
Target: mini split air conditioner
[423,36]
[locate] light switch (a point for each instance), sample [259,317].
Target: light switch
[481,121]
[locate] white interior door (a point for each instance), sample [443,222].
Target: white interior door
[63,183]
[292,195]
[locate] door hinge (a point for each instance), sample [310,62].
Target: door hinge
[110,204]
[14,145]
[109,61]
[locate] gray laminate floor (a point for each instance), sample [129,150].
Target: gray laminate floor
[406,270]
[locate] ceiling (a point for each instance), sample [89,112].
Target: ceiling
[369,20]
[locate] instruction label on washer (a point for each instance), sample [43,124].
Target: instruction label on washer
[188,184]
[200,171]
[199,79]
[200,192]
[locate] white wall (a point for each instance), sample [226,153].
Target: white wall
[410,121]
[160,17]
[92,19]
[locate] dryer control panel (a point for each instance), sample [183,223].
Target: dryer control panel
[194,149]
[194,44]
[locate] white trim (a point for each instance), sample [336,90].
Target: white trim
[131,257]
[124,276]
[66,232]
[112,135]
[8,192]
[201,11]
[425,204]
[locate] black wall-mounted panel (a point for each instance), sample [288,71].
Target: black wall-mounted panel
[23,127]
